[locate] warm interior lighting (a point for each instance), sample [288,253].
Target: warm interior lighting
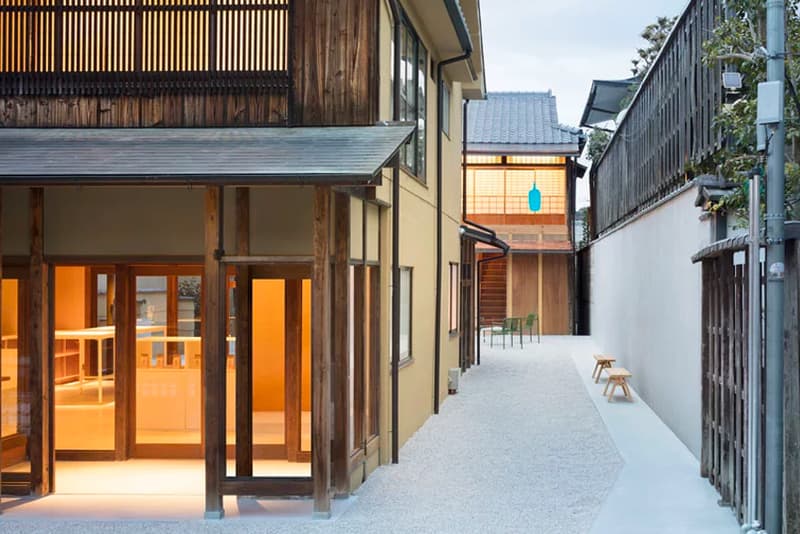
[505,191]
[251,35]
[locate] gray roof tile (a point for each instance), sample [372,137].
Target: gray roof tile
[519,119]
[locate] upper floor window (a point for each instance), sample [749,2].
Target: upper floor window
[146,44]
[413,80]
[446,109]
[496,191]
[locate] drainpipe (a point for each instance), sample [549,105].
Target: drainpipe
[466,46]
[395,342]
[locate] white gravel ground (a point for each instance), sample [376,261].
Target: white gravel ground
[521,448]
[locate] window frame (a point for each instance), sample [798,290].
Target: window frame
[419,106]
[408,356]
[446,103]
[455,299]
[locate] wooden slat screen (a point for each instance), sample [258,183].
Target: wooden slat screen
[668,126]
[53,47]
[725,357]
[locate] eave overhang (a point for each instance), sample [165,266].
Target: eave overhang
[352,155]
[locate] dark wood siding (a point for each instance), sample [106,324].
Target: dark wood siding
[335,62]
[168,111]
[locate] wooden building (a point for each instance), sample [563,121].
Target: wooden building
[515,144]
[204,211]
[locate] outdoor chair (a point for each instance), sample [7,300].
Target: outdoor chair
[533,318]
[509,327]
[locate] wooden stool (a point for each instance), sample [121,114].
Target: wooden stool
[601,362]
[617,376]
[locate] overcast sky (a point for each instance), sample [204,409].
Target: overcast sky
[536,45]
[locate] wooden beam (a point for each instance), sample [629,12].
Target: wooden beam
[244,259]
[124,359]
[40,449]
[321,354]
[244,356]
[214,353]
[293,354]
[268,487]
[341,347]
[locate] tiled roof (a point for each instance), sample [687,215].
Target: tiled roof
[519,119]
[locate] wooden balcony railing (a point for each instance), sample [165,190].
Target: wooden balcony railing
[669,125]
[98,47]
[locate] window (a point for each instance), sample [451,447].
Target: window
[454,297]
[446,109]
[413,80]
[405,313]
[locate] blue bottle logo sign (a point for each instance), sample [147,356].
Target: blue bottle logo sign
[534,198]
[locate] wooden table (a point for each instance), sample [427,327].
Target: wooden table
[601,362]
[617,377]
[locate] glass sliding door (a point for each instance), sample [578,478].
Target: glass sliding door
[168,362]
[84,367]
[15,405]
[273,412]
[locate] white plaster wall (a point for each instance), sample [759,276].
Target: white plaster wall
[646,309]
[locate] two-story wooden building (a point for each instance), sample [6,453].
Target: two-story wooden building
[515,145]
[217,218]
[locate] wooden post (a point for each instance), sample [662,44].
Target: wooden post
[40,449]
[321,355]
[1,322]
[124,359]
[293,357]
[214,353]
[791,442]
[341,348]
[244,356]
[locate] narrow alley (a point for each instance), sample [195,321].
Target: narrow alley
[529,444]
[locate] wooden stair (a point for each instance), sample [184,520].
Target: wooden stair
[493,291]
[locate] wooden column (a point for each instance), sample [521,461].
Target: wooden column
[791,397]
[1,322]
[341,348]
[244,356]
[40,446]
[124,361]
[214,353]
[321,355]
[293,354]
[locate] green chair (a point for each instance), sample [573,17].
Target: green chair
[510,327]
[533,318]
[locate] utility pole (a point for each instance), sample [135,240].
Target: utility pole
[775,216]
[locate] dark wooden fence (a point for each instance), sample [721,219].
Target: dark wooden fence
[92,47]
[725,357]
[668,125]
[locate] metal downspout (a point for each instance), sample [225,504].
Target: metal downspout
[437,351]
[395,334]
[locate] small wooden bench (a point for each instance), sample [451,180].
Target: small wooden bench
[617,376]
[601,362]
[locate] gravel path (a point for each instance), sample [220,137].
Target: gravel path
[521,448]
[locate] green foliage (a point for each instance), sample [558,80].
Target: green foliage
[656,35]
[597,143]
[735,42]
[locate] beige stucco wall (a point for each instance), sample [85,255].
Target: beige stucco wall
[418,247]
[164,221]
[15,221]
